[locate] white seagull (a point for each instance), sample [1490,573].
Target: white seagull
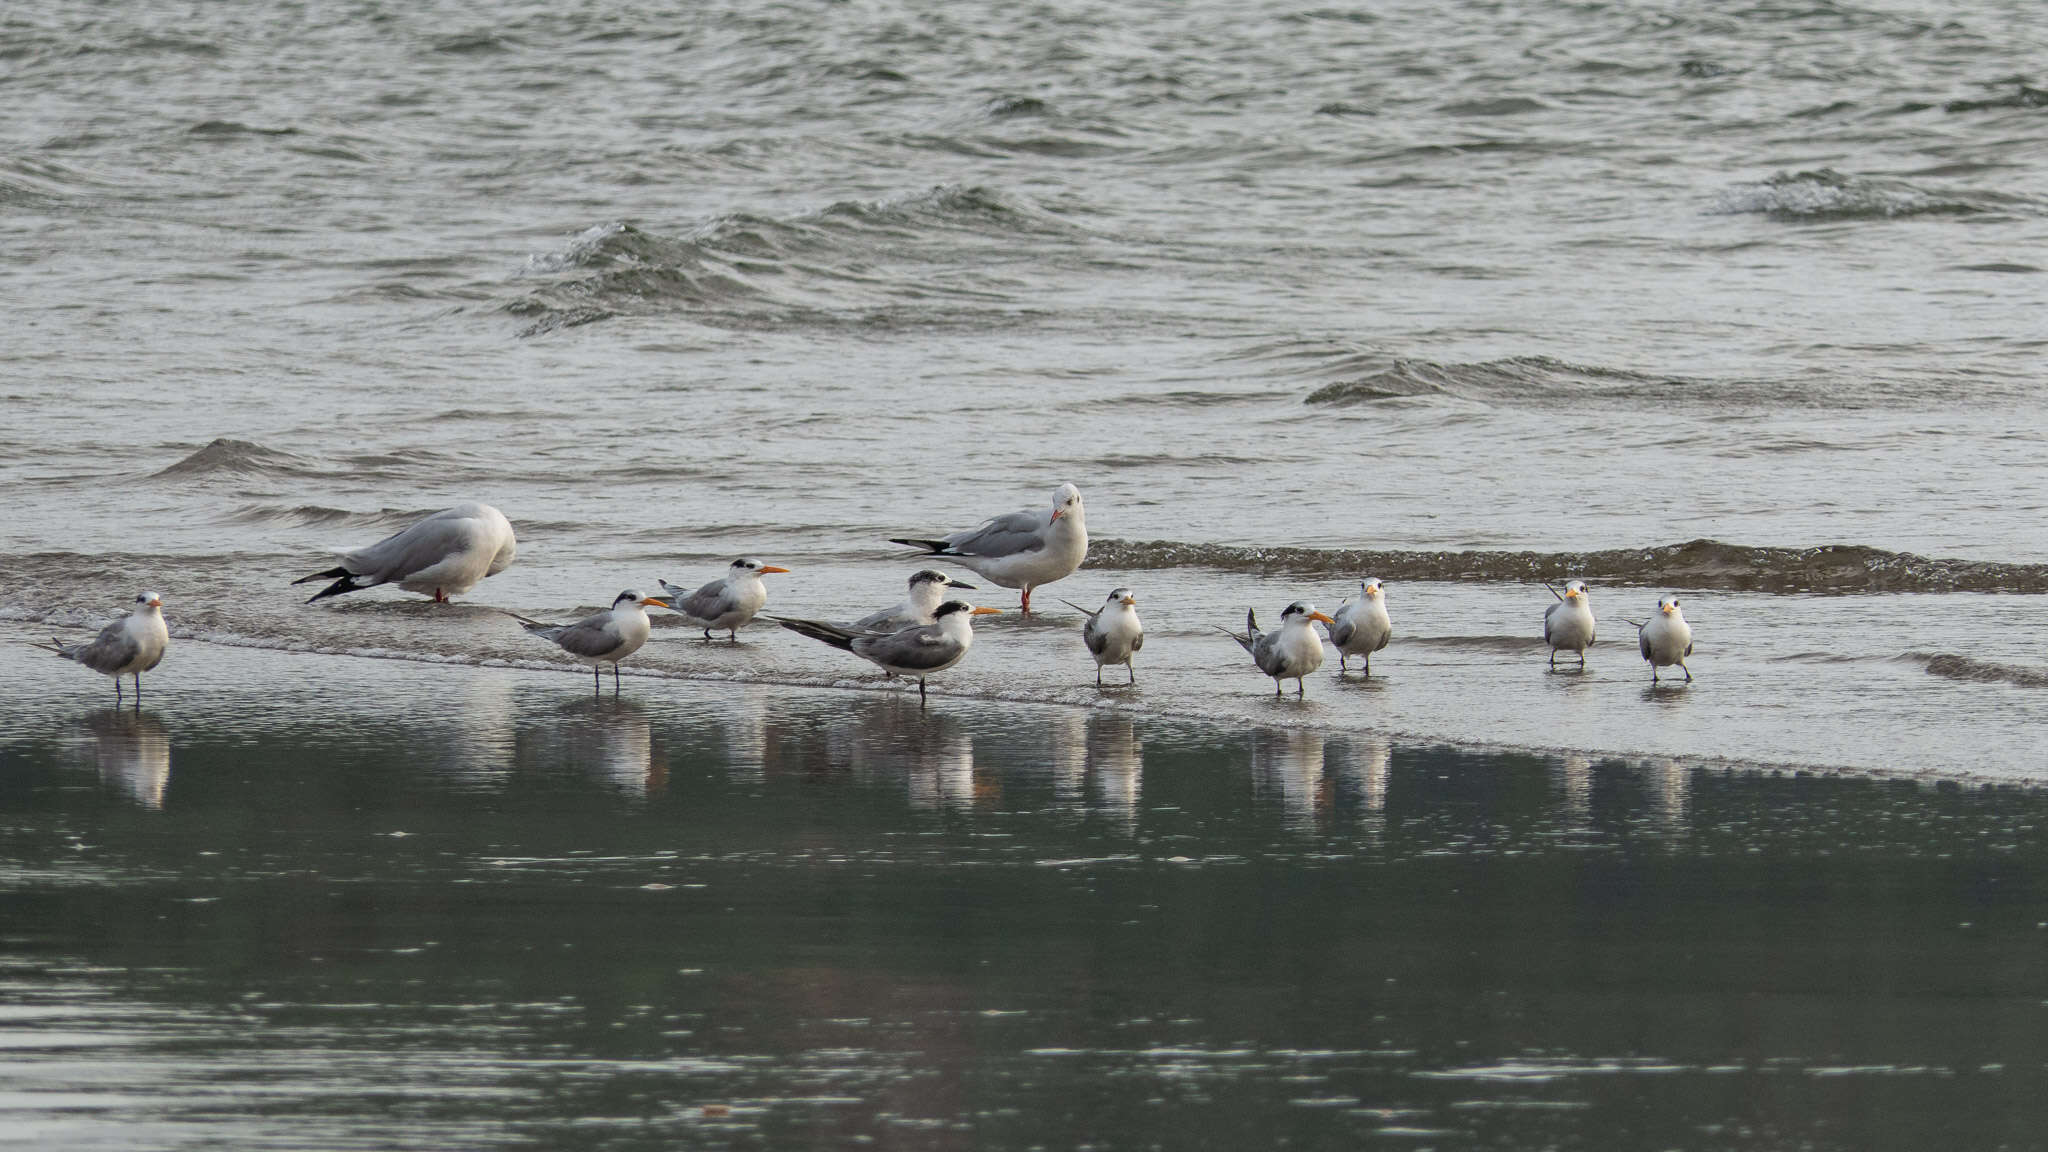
[1113,632]
[921,650]
[1569,622]
[1666,639]
[728,602]
[1023,549]
[1289,654]
[134,644]
[443,555]
[1361,626]
[602,637]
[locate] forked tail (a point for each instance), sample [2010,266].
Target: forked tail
[344,581]
[935,547]
[832,634]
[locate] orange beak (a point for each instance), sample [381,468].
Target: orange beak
[1571,593]
[1130,600]
[1320,616]
[1668,609]
[156,601]
[657,601]
[986,612]
[767,568]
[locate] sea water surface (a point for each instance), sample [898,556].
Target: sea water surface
[1737,302]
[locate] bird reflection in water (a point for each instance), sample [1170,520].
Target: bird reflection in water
[605,739]
[1287,766]
[891,735]
[132,752]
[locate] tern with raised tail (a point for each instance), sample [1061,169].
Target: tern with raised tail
[921,650]
[1023,550]
[1113,632]
[1361,627]
[1666,639]
[1289,654]
[1568,624]
[729,602]
[442,555]
[605,637]
[132,645]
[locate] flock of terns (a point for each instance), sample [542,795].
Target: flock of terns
[451,551]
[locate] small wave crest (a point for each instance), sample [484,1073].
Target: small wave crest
[1515,379]
[1832,569]
[224,455]
[1825,195]
[1954,667]
[848,255]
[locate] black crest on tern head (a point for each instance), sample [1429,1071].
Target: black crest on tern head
[628,594]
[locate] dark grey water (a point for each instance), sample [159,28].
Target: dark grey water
[461,908]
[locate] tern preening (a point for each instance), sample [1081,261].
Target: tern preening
[921,650]
[443,555]
[134,644]
[1361,627]
[729,602]
[1289,654]
[1569,622]
[1113,632]
[1026,550]
[1666,639]
[605,637]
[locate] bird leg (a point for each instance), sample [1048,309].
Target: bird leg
[920,691]
[440,597]
[615,679]
[117,691]
[707,635]
[596,680]
[1687,671]
[1098,675]
[1368,665]
[1553,657]
[138,690]
[1132,669]
[1300,687]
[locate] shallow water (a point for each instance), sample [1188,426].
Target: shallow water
[461,907]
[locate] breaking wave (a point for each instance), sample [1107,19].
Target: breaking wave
[1954,667]
[1833,569]
[1824,195]
[223,455]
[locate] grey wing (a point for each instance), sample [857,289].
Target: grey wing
[1094,635]
[1010,535]
[887,620]
[1550,614]
[706,603]
[913,650]
[1340,632]
[1643,641]
[1138,642]
[413,549]
[111,649]
[1688,648]
[591,637]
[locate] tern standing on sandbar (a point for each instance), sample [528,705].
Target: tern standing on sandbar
[1113,632]
[134,644]
[1569,622]
[729,602]
[920,651]
[443,555]
[1289,654]
[1021,550]
[1361,627]
[602,637]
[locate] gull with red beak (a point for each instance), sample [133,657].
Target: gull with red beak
[134,644]
[602,637]
[1025,550]
[1569,622]
[729,602]
[1289,654]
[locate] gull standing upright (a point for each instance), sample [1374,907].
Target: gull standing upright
[1021,550]
[602,637]
[134,644]
[1289,654]
[728,602]
[1113,632]
[1666,639]
[1361,627]
[1569,622]
[442,555]
[921,650]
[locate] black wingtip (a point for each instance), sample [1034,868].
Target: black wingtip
[346,584]
[330,574]
[816,631]
[935,547]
